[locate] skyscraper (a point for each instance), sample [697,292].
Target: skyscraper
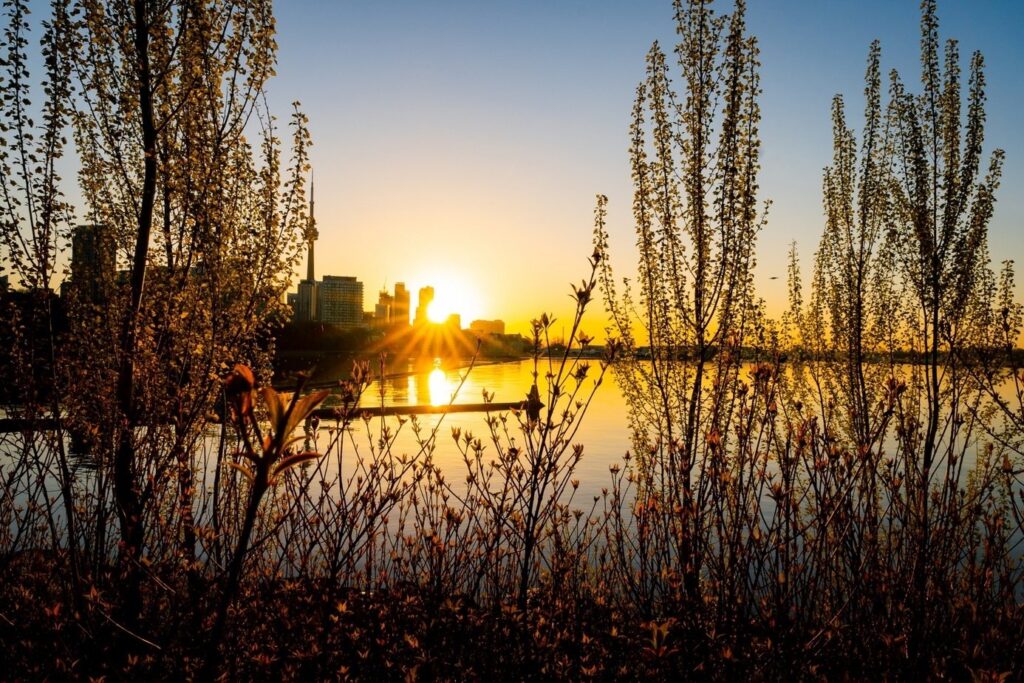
[93,255]
[426,296]
[306,301]
[400,305]
[340,300]
[383,310]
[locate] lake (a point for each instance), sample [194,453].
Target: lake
[604,430]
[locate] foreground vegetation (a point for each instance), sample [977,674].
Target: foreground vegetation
[837,515]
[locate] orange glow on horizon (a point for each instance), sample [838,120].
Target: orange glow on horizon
[455,294]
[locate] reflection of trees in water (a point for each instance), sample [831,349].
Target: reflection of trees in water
[411,381]
[320,367]
[421,383]
[326,368]
[397,388]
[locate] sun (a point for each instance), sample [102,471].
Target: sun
[453,295]
[436,314]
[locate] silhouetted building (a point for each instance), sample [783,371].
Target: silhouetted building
[485,328]
[340,300]
[93,262]
[400,305]
[385,306]
[422,309]
[306,300]
[312,234]
[382,311]
[454,321]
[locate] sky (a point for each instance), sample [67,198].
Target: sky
[461,144]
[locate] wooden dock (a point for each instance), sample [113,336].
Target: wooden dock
[10,425]
[387,411]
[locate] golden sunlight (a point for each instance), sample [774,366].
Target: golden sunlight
[453,295]
[436,314]
[440,388]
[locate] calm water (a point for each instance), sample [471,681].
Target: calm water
[603,432]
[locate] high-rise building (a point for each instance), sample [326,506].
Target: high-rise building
[93,262]
[382,315]
[400,305]
[307,301]
[426,297]
[340,300]
[382,311]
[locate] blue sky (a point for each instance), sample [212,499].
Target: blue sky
[471,137]
[461,144]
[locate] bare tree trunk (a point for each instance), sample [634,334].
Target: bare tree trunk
[126,492]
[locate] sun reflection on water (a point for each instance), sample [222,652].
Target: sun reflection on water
[439,388]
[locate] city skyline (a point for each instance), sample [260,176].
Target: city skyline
[338,299]
[384,312]
[470,141]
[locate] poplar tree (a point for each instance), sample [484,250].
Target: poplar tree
[171,93]
[849,296]
[902,273]
[181,173]
[35,220]
[694,159]
[942,204]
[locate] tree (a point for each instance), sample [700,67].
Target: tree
[165,100]
[941,211]
[694,164]
[902,271]
[844,335]
[849,296]
[35,217]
